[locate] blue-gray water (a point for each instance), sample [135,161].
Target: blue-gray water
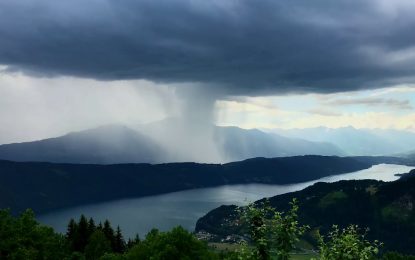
[184,208]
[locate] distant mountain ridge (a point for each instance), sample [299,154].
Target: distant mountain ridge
[409,155]
[102,145]
[356,142]
[162,142]
[240,144]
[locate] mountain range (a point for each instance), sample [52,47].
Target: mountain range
[107,144]
[355,142]
[176,140]
[162,142]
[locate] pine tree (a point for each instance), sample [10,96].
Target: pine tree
[82,235]
[119,246]
[109,233]
[97,246]
[71,232]
[91,226]
[129,243]
[133,242]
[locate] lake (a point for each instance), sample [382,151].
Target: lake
[184,208]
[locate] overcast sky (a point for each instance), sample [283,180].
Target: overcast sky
[71,65]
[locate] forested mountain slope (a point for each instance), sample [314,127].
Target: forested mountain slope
[48,186]
[387,209]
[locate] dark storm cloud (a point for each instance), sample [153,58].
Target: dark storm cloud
[239,47]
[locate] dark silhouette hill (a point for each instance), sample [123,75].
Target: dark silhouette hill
[48,186]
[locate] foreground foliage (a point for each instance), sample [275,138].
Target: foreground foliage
[175,244]
[274,235]
[386,208]
[348,243]
[24,238]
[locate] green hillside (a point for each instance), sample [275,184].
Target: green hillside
[387,209]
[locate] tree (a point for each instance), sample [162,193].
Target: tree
[91,226]
[119,246]
[348,243]
[133,242]
[109,233]
[82,235]
[272,232]
[175,244]
[24,238]
[286,230]
[97,246]
[256,217]
[71,232]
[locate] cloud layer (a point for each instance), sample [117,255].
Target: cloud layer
[373,101]
[234,47]
[389,108]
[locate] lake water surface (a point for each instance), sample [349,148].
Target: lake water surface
[184,208]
